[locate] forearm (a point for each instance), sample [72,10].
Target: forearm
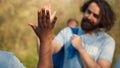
[38,45]
[88,62]
[44,31]
[45,54]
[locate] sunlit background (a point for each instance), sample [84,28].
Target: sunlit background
[17,37]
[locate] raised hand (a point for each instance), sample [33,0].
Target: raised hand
[47,6]
[44,31]
[45,24]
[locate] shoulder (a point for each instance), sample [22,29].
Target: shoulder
[66,29]
[107,39]
[70,30]
[5,54]
[65,32]
[105,36]
[64,35]
[8,59]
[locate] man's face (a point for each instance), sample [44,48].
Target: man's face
[91,18]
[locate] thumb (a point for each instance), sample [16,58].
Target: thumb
[33,26]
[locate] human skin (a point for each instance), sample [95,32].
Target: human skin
[44,31]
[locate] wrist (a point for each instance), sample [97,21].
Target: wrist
[82,47]
[80,50]
[46,39]
[45,48]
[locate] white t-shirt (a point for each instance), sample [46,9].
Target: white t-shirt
[98,45]
[9,60]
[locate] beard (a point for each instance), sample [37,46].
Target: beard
[88,26]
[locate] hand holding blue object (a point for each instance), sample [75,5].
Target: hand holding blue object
[71,50]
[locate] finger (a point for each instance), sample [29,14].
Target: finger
[47,18]
[53,15]
[39,17]
[54,21]
[33,26]
[43,19]
[72,41]
[48,7]
[75,36]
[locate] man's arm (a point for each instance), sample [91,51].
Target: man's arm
[56,46]
[44,31]
[88,62]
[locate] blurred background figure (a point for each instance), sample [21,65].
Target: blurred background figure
[72,23]
[9,60]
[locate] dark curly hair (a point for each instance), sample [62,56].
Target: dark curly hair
[106,12]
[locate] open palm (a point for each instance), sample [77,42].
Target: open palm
[46,22]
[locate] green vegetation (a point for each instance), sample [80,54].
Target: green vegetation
[17,37]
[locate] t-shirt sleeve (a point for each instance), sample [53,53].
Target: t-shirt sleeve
[14,62]
[108,50]
[61,37]
[117,64]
